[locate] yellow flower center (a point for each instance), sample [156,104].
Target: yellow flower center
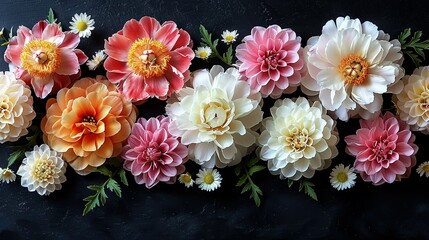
[148,58]
[229,38]
[208,179]
[7,173]
[81,26]
[44,170]
[298,139]
[342,177]
[187,178]
[203,55]
[354,69]
[426,168]
[40,58]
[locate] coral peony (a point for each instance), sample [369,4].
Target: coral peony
[88,123]
[148,59]
[384,149]
[152,154]
[45,57]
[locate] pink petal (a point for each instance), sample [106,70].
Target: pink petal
[150,26]
[133,30]
[81,56]
[181,58]
[175,81]
[38,29]
[71,40]
[53,34]
[184,40]
[167,34]
[13,54]
[112,65]
[23,36]
[69,63]
[60,81]
[117,47]
[157,87]
[42,86]
[404,149]
[133,88]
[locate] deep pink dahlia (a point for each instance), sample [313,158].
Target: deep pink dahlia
[270,60]
[148,59]
[384,149]
[45,57]
[152,154]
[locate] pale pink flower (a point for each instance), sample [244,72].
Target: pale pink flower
[148,59]
[270,59]
[384,149]
[45,57]
[152,154]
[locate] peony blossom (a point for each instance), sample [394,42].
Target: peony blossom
[16,108]
[350,65]
[45,57]
[152,154]
[216,117]
[148,59]
[88,123]
[384,149]
[270,60]
[298,139]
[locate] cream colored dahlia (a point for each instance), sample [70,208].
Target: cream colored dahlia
[298,139]
[42,170]
[16,108]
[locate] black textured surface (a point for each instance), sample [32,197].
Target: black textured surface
[396,211]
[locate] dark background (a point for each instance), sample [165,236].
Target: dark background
[396,211]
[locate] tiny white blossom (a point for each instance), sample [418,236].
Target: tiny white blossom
[229,37]
[203,52]
[82,24]
[97,60]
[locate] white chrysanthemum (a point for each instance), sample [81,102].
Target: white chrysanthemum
[203,52]
[97,60]
[350,65]
[216,117]
[208,179]
[229,37]
[298,139]
[7,175]
[423,169]
[342,177]
[42,170]
[82,24]
[16,108]
[186,179]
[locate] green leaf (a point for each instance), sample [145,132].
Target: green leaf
[255,169]
[246,188]
[237,170]
[19,153]
[51,16]
[242,180]
[104,170]
[123,177]
[206,40]
[290,182]
[252,162]
[247,169]
[414,48]
[113,186]
[94,187]
[308,188]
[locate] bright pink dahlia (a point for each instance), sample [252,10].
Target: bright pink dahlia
[270,59]
[148,59]
[152,154]
[45,57]
[384,149]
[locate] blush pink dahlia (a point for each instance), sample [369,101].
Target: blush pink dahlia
[270,59]
[45,57]
[384,149]
[148,59]
[152,154]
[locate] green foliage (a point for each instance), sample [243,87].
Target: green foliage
[5,38]
[51,18]
[244,171]
[413,47]
[206,39]
[306,185]
[19,152]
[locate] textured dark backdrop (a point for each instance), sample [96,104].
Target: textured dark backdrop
[399,210]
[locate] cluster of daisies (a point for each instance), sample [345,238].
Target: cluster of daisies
[214,116]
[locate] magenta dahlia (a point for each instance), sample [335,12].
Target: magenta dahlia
[384,149]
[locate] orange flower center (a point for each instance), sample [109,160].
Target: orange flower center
[148,58]
[354,69]
[40,58]
[89,123]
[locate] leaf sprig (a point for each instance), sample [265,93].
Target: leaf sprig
[51,18]
[413,47]
[18,154]
[206,39]
[306,185]
[245,170]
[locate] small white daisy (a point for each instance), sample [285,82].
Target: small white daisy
[82,24]
[97,60]
[342,177]
[423,169]
[208,179]
[229,37]
[7,175]
[203,52]
[186,179]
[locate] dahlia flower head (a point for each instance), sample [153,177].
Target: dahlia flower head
[350,66]
[152,154]
[298,139]
[88,123]
[148,59]
[217,117]
[45,57]
[16,108]
[413,102]
[384,149]
[270,59]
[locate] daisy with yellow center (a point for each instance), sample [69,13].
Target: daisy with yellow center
[186,179]
[82,24]
[7,175]
[203,52]
[208,179]
[342,177]
[229,37]
[423,169]
[97,60]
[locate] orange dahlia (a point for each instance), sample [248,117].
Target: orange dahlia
[88,123]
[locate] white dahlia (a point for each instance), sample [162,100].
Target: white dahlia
[298,139]
[216,117]
[350,65]
[42,170]
[16,108]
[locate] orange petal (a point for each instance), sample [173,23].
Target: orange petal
[112,126]
[106,149]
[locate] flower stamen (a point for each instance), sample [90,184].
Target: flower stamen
[354,69]
[40,58]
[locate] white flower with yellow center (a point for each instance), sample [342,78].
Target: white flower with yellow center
[229,37]
[97,60]
[7,175]
[423,169]
[186,179]
[16,108]
[342,177]
[216,117]
[299,139]
[82,24]
[350,65]
[203,52]
[42,170]
[208,179]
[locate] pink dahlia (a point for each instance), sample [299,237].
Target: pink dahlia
[270,59]
[148,59]
[45,57]
[384,149]
[152,154]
